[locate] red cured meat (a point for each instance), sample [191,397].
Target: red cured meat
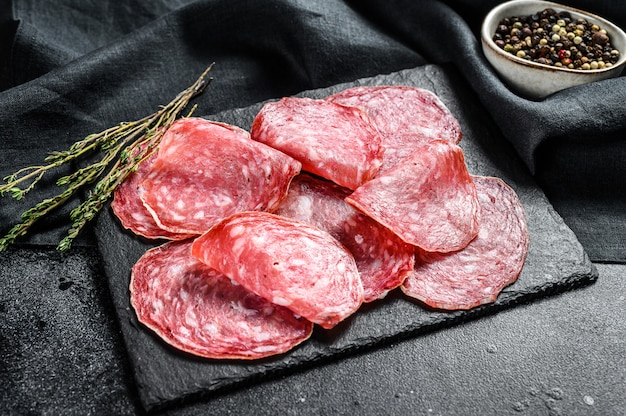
[492,261]
[288,262]
[206,171]
[331,140]
[382,258]
[131,212]
[198,310]
[428,199]
[406,117]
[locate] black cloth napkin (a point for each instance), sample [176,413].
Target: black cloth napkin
[69,68]
[573,141]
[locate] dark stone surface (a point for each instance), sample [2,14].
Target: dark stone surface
[556,262]
[558,356]
[61,353]
[60,345]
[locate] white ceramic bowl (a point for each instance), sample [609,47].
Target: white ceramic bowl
[534,80]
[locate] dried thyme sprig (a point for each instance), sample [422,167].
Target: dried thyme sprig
[123,146]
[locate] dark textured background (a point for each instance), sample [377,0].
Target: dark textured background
[69,68]
[62,354]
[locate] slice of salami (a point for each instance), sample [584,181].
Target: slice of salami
[382,258]
[428,199]
[205,171]
[198,310]
[331,140]
[131,212]
[288,262]
[406,117]
[476,274]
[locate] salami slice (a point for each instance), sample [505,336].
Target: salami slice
[131,212]
[493,260]
[330,140]
[205,171]
[406,117]
[198,310]
[382,258]
[288,262]
[428,199]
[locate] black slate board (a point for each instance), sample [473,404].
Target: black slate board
[556,262]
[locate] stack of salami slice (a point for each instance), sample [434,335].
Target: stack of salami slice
[324,205]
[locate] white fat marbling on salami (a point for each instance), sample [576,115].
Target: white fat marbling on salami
[330,140]
[206,171]
[382,258]
[428,198]
[406,117]
[129,209]
[198,310]
[286,261]
[476,274]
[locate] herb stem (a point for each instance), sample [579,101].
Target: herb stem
[124,147]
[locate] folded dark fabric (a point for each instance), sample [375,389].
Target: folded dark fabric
[573,141]
[75,69]
[70,68]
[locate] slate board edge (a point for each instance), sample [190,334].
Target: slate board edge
[506,301]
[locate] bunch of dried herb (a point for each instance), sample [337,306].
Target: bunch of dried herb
[121,149]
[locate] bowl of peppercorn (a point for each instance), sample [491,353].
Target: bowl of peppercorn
[541,47]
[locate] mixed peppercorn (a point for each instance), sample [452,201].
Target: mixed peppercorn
[555,38]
